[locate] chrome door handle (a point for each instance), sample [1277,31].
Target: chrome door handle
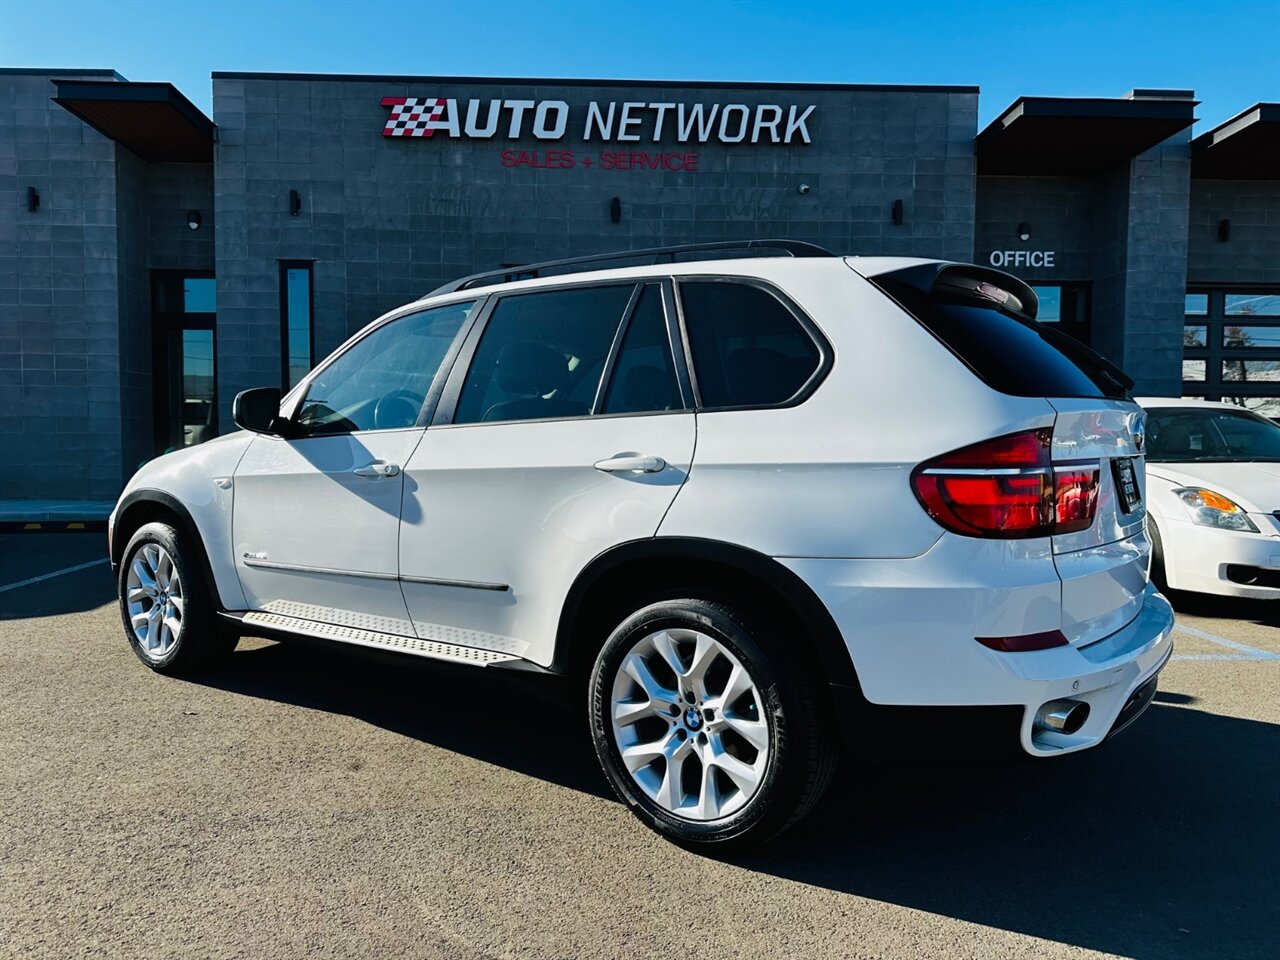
[378,469]
[631,465]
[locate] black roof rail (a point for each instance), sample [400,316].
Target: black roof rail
[603,261]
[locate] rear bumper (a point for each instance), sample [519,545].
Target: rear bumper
[913,647]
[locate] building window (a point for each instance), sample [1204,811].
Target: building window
[1067,306]
[1195,335]
[1252,305]
[1231,348]
[296,337]
[1197,304]
[183,314]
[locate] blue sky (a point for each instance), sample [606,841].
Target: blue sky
[1228,51]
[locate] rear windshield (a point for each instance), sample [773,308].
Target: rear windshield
[1010,353]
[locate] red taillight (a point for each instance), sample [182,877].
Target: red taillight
[1075,498]
[1007,488]
[1026,642]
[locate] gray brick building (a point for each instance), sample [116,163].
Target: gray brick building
[154,261]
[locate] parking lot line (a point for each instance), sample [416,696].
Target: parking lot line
[50,576]
[1253,653]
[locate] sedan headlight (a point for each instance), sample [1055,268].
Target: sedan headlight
[1210,509]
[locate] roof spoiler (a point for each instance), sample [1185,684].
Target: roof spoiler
[968,281]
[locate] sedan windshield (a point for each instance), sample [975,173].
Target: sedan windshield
[1186,434]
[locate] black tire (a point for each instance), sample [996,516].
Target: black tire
[1158,575]
[802,753]
[201,641]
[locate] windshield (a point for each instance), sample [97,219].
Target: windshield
[1185,435]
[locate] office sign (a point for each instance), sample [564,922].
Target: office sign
[1022,258]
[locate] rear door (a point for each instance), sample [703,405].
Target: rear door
[565,429]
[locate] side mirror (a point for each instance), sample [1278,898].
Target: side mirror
[258,410]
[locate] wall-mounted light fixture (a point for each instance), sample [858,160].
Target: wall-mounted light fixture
[615,210]
[33,199]
[1224,230]
[1024,231]
[295,203]
[803,189]
[897,213]
[193,219]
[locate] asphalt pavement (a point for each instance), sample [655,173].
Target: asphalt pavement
[306,801]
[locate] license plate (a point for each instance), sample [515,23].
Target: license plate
[1126,483]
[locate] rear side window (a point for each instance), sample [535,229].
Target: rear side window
[542,355]
[644,376]
[749,349]
[1014,355]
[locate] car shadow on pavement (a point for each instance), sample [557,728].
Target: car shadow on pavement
[1163,843]
[1263,612]
[422,700]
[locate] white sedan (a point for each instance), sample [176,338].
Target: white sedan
[1213,497]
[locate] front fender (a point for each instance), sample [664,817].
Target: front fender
[194,487]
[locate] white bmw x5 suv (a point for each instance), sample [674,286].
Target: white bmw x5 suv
[753,508]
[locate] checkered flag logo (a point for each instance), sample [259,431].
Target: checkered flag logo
[410,116]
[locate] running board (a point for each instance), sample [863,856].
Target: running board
[432,649]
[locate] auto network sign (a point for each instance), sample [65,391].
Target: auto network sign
[605,123]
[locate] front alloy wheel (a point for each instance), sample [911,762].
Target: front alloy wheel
[153,592]
[169,617]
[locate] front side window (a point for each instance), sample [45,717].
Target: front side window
[382,380]
[748,349]
[542,355]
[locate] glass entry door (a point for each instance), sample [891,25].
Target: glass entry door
[184,369]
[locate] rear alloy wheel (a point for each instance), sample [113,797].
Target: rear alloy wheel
[168,616]
[698,732]
[695,737]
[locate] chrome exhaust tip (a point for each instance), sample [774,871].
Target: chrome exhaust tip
[1062,716]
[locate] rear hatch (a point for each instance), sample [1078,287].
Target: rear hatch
[1095,468]
[1104,567]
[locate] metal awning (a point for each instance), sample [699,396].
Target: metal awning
[1246,147]
[154,120]
[1061,136]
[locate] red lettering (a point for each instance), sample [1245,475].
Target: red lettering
[610,160]
[508,158]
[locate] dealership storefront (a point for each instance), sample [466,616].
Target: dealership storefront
[155,261]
